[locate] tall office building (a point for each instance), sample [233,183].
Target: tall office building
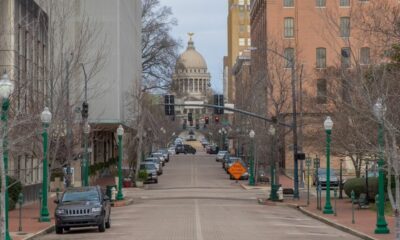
[238,41]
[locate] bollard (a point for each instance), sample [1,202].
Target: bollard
[20,202]
[40,202]
[58,193]
[335,197]
[352,207]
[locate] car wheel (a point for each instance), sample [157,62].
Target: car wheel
[108,223]
[156,181]
[59,230]
[67,228]
[185,152]
[102,226]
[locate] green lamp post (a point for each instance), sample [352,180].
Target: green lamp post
[45,117]
[381,225]
[251,178]
[86,132]
[328,124]
[273,194]
[120,133]
[6,89]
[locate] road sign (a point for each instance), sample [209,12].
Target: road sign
[237,170]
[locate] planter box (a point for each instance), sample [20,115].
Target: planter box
[139,183]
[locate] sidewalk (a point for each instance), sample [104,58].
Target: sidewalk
[31,212]
[365,219]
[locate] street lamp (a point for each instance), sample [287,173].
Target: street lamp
[251,178]
[120,133]
[381,225]
[273,194]
[86,131]
[328,124]
[44,212]
[6,89]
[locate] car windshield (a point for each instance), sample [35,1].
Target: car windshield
[322,171]
[147,166]
[222,152]
[83,195]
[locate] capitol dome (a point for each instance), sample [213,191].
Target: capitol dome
[191,59]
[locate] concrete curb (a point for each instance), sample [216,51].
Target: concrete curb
[123,203]
[333,224]
[45,231]
[246,187]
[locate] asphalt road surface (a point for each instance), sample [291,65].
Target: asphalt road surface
[195,200]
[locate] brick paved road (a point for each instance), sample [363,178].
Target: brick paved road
[195,200]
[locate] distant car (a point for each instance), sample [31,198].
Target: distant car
[231,161]
[151,170]
[82,207]
[262,176]
[160,156]
[165,153]
[220,156]
[157,163]
[214,149]
[185,148]
[321,178]
[191,138]
[171,151]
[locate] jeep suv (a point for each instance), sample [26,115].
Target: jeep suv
[185,148]
[82,207]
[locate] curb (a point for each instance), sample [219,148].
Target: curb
[244,186]
[45,231]
[122,203]
[332,224]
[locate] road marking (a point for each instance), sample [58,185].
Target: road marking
[199,234]
[289,218]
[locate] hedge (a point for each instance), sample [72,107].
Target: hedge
[13,191]
[359,186]
[101,165]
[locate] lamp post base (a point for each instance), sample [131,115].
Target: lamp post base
[274,195]
[381,228]
[120,196]
[328,210]
[8,237]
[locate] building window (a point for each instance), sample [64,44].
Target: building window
[345,27]
[289,56]
[320,3]
[345,3]
[241,2]
[321,58]
[364,55]
[248,42]
[288,3]
[242,28]
[346,57]
[321,91]
[242,41]
[289,27]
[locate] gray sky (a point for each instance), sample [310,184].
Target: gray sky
[208,20]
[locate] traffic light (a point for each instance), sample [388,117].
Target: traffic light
[206,120]
[216,119]
[85,110]
[219,101]
[190,117]
[169,102]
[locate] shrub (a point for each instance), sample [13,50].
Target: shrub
[358,185]
[13,191]
[143,175]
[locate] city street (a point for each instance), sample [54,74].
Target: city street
[194,199]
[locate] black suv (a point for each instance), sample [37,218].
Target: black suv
[82,207]
[185,148]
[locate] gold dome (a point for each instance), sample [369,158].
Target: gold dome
[191,59]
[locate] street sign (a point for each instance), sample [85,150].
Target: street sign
[237,170]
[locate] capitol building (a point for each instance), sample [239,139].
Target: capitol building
[191,82]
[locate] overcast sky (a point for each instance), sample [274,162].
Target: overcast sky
[208,20]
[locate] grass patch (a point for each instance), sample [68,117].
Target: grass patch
[388,208]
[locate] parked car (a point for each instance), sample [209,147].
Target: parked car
[214,149]
[159,156]
[165,153]
[185,148]
[171,151]
[220,156]
[262,176]
[191,138]
[157,163]
[151,169]
[321,178]
[82,207]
